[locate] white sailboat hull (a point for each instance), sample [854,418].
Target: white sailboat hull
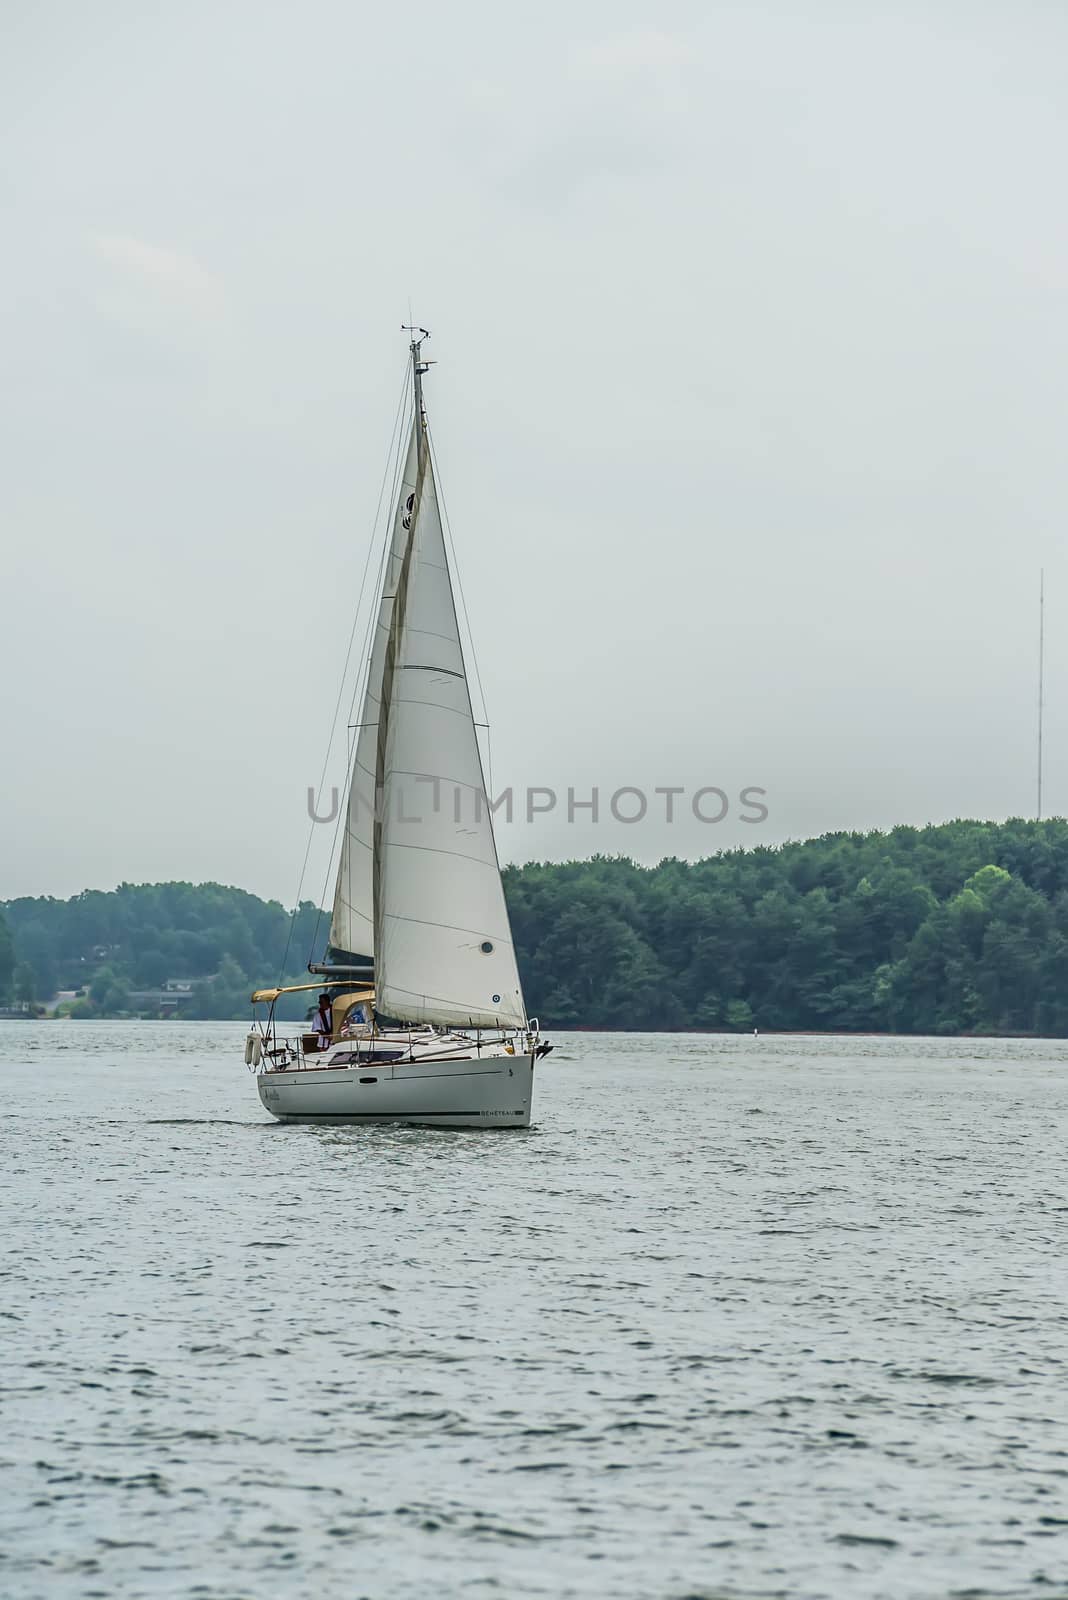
[493,1092]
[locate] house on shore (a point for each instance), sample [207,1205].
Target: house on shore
[173,996]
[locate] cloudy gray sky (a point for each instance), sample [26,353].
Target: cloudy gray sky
[752,329]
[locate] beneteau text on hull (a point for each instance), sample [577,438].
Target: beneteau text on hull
[441,1035]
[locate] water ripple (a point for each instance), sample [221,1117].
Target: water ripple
[739,1318]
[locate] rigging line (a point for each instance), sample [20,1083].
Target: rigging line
[374,615]
[363,582]
[366,645]
[372,542]
[463,603]
[395,461]
[337,706]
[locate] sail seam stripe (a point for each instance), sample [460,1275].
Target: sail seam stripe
[449,1005]
[430,633]
[439,850]
[436,777]
[456,1007]
[454,711]
[451,927]
[427,777]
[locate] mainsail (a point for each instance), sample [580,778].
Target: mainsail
[419,885]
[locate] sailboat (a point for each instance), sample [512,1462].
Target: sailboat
[421,1014]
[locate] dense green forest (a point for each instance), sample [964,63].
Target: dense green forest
[7,961]
[143,949]
[957,928]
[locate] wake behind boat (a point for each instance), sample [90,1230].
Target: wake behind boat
[441,1035]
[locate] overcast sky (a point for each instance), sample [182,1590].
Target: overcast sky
[753,342]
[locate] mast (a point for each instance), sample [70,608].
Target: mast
[412,507]
[419,366]
[1041,676]
[352,921]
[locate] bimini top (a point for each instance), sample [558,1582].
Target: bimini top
[269,996]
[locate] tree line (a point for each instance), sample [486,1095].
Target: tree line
[117,949]
[956,928]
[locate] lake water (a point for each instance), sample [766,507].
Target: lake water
[738,1317]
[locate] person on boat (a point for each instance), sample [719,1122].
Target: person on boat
[324,1022]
